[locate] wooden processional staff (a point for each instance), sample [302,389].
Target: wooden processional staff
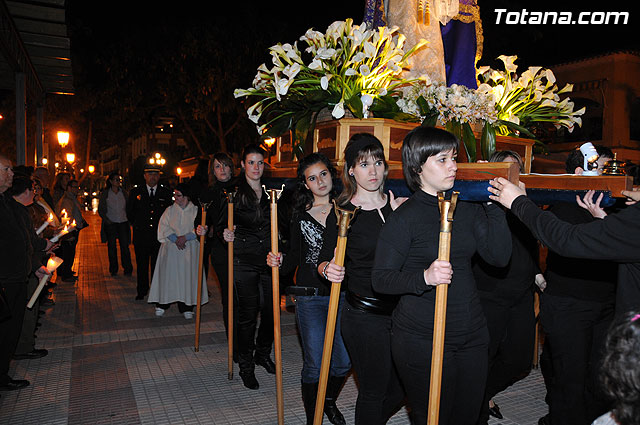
[274,194]
[230,330]
[203,209]
[344,218]
[447,207]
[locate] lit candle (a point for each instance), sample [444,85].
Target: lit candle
[52,265]
[64,217]
[45,224]
[63,232]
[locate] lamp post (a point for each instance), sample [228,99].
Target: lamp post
[63,139]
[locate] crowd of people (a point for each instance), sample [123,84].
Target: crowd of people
[588,283]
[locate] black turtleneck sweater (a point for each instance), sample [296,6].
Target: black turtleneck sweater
[408,244]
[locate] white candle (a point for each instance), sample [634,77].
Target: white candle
[45,224]
[63,232]
[52,265]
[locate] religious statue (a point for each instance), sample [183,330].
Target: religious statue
[452,27]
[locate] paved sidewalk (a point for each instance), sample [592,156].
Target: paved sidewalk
[111,361]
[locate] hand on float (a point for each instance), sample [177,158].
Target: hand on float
[201,230]
[438,273]
[593,207]
[504,191]
[633,196]
[274,260]
[229,235]
[396,202]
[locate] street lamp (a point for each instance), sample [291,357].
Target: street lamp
[71,157]
[92,169]
[45,161]
[63,138]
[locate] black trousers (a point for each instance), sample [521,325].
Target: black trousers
[511,324]
[254,296]
[146,248]
[464,374]
[68,248]
[575,331]
[367,337]
[16,296]
[119,232]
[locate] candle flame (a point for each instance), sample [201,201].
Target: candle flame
[50,219]
[73,223]
[64,213]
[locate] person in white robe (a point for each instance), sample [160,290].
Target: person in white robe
[176,274]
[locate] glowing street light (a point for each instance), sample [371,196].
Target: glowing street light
[63,138]
[45,161]
[92,169]
[178,171]
[71,157]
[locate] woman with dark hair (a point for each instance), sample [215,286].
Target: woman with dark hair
[620,372]
[175,278]
[406,264]
[252,277]
[506,294]
[112,208]
[59,186]
[366,315]
[221,172]
[312,206]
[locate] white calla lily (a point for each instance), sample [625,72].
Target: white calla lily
[364,70]
[508,61]
[338,111]
[324,81]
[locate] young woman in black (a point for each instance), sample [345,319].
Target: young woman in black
[366,315]
[252,277]
[312,206]
[406,264]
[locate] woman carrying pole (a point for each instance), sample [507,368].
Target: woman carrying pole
[366,315]
[406,264]
[312,206]
[252,277]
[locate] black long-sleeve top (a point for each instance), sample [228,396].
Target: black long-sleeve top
[408,244]
[518,276]
[216,199]
[306,242]
[616,237]
[252,220]
[19,240]
[361,247]
[592,280]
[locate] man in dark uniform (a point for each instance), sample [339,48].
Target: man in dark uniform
[146,204]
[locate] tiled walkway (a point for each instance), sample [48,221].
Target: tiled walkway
[111,361]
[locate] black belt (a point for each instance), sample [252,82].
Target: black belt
[370,304]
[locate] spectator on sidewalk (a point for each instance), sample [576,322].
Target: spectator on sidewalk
[22,191]
[69,202]
[15,268]
[112,208]
[42,174]
[59,187]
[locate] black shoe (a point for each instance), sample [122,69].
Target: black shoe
[114,274]
[267,364]
[14,384]
[139,297]
[47,301]
[34,354]
[309,393]
[128,273]
[545,420]
[495,412]
[249,379]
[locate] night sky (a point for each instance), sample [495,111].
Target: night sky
[99,24]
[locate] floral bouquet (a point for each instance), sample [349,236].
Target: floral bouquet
[455,107]
[522,102]
[349,68]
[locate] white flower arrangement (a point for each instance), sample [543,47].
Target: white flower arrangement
[348,67]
